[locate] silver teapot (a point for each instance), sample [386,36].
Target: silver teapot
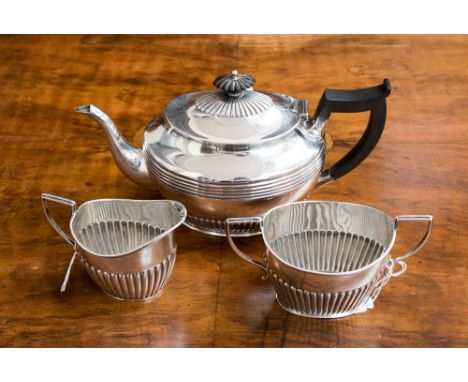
[239,152]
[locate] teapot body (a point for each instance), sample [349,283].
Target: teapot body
[216,182]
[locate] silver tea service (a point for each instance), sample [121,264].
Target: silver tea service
[328,259]
[126,246]
[236,162]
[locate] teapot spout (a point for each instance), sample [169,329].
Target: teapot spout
[129,159]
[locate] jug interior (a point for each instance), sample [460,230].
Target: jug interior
[117,236]
[112,227]
[328,236]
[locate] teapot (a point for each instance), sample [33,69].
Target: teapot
[237,152]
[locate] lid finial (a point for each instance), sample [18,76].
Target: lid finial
[234,83]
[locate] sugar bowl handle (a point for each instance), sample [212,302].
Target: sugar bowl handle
[389,270]
[398,219]
[353,101]
[232,221]
[48,197]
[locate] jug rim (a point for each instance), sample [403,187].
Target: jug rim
[326,273]
[180,207]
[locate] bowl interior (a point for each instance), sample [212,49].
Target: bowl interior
[328,236]
[327,251]
[112,227]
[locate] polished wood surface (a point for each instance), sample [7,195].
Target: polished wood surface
[214,298]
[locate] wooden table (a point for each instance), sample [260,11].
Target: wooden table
[214,298]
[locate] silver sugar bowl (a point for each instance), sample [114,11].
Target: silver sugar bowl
[237,152]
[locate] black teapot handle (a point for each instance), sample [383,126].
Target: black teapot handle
[354,101]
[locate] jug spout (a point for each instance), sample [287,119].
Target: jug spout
[129,159]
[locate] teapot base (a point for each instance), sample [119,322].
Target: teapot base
[215,227]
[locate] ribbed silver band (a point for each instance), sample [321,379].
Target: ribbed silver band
[322,305]
[135,286]
[240,190]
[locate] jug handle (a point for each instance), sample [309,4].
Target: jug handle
[353,101]
[48,197]
[247,258]
[389,269]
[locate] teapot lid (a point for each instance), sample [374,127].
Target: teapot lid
[233,115]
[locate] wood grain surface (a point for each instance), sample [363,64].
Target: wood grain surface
[214,299]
